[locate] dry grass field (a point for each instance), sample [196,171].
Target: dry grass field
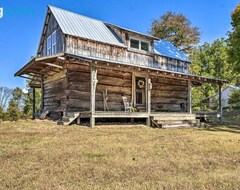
[42,155]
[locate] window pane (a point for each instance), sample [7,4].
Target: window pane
[139,98]
[144,46]
[49,45]
[54,49]
[49,42]
[134,43]
[54,38]
[49,52]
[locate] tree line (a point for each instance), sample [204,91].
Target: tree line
[16,104]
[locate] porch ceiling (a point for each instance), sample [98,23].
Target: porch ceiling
[35,69]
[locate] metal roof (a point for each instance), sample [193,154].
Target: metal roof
[166,48]
[84,27]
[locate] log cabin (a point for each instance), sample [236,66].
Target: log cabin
[87,68]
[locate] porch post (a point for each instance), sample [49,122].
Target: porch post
[92,99]
[220,101]
[189,101]
[149,87]
[33,103]
[42,93]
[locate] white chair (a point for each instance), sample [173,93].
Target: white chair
[127,105]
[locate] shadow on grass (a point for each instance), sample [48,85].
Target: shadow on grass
[229,129]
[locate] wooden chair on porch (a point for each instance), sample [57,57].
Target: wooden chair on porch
[128,106]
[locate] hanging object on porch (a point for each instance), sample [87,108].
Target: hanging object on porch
[141,83]
[95,81]
[105,99]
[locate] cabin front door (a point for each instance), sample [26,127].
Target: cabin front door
[140,92]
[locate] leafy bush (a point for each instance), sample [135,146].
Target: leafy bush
[235,98]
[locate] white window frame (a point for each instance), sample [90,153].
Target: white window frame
[52,48]
[140,45]
[54,45]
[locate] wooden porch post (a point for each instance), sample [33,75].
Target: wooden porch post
[42,94]
[220,101]
[189,101]
[33,104]
[92,99]
[149,87]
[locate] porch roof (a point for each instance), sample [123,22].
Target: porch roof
[157,71]
[41,66]
[49,65]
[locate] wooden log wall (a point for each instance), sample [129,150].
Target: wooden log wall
[54,97]
[116,83]
[78,88]
[168,95]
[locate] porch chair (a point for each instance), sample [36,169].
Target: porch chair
[127,105]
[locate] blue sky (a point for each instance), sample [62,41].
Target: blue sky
[21,25]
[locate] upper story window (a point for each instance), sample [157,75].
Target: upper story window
[49,45]
[52,44]
[134,43]
[145,46]
[139,44]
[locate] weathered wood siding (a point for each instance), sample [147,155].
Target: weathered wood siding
[54,97]
[78,88]
[51,27]
[166,63]
[106,52]
[168,94]
[116,83]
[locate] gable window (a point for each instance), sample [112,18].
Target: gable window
[49,45]
[139,45]
[52,44]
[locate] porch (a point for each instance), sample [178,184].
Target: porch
[78,85]
[154,119]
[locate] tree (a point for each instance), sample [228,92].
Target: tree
[5,95]
[13,111]
[28,101]
[211,60]
[234,98]
[177,29]
[1,113]
[18,96]
[234,39]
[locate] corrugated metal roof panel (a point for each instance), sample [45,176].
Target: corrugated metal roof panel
[85,27]
[166,48]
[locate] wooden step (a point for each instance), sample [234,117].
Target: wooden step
[164,118]
[174,114]
[172,122]
[180,125]
[69,117]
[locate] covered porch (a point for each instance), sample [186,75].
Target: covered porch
[99,74]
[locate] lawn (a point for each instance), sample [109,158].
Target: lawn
[42,155]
